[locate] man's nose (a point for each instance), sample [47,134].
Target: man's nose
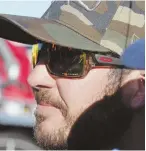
[41,77]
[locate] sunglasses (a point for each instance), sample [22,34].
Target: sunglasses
[72,63]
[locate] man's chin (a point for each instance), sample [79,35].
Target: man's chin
[49,137]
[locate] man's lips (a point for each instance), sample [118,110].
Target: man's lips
[43,109]
[48,105]
[45,104]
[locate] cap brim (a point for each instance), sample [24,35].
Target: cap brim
[32,30]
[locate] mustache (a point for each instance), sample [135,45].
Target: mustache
[45,96]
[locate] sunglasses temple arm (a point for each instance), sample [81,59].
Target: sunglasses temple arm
[108,60]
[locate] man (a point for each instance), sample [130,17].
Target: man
[78,67]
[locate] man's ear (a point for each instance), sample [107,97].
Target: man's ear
[133,89]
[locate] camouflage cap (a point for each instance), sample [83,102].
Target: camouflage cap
[89,25]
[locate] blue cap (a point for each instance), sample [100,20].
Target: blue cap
[134,55]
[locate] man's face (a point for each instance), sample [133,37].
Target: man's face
[61,101]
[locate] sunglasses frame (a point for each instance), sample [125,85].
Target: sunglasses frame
[91,61]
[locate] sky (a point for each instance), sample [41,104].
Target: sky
[34,8]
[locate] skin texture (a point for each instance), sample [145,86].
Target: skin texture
[61,102]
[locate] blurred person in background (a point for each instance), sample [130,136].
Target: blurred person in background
[78,79]
[134,57]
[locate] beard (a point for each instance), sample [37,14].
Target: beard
[56,139]
[102,125]
[102,122]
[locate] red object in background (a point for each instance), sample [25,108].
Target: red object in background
[15,91]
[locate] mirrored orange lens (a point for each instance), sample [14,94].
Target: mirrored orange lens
[35,50]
